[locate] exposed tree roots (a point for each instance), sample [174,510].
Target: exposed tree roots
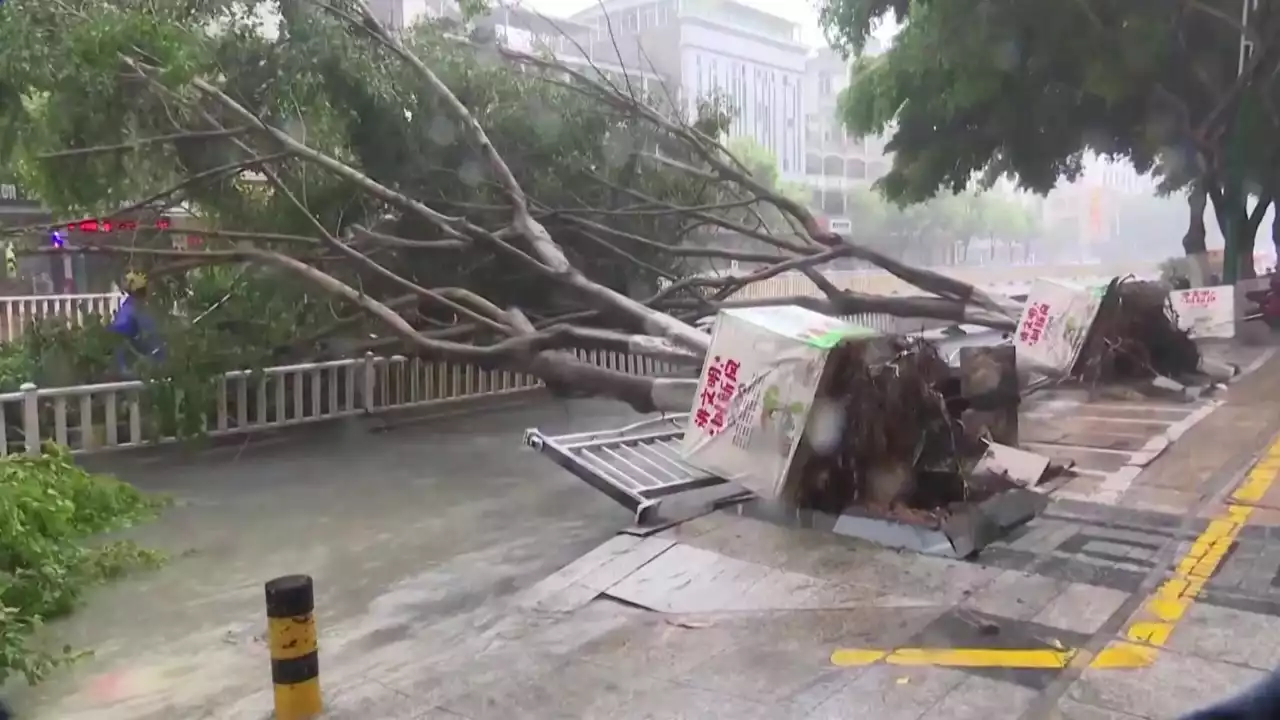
[1136,337]
[885,434]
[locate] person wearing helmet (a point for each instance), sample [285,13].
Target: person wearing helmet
[134,322]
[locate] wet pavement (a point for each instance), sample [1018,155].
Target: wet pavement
[447,592]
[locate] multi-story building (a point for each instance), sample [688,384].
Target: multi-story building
[751,59]
[572,43]
[694,49]
[835,162]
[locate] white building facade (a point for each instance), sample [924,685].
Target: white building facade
[717,48]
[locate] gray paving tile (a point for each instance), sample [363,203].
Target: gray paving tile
[1235,568]
[1172,686]
[576,690]
[1091,571]
[980,698]
[661,649]
[1045,535]
[1234,636]
[765,675]
[885,692]
[370,698]
[1262,573]
[674,701]
[803,631]
[439,713]
[1072,710]
[1081,608]
[1017,595]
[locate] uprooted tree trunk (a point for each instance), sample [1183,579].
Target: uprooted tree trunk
[518,338]
[1135,337]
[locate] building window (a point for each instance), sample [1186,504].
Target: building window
[824,84]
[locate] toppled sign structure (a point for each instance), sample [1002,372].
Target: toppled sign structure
[808,421]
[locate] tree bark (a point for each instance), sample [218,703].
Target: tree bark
[1197,202]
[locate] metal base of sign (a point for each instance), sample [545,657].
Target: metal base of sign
[639,467]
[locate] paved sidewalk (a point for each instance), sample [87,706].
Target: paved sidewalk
[445,558]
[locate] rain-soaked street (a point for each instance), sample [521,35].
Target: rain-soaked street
[437,549]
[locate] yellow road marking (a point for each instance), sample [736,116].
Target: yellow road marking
[1157,618]
[1170,602]
[956,657]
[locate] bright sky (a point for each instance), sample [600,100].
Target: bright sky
[801,11]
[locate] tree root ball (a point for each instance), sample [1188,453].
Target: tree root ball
[895,443]
[1136,337]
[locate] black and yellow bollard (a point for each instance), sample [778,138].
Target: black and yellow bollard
[295,660]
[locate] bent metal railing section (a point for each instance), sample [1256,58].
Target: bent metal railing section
[110,416]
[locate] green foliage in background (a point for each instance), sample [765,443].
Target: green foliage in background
[50,512]
[211,321]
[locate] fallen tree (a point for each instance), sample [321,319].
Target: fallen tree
[334,153]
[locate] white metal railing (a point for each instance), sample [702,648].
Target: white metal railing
[17,312]
[106,416]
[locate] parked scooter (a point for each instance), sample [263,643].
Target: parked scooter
[1267,303]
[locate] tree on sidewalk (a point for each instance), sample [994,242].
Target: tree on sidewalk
[1026,89]
[512,199]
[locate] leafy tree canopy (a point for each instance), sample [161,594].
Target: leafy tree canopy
[1023,89]
[521,205]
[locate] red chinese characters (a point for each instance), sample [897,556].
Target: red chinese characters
[718,390]
[1033,327]
[1201,298]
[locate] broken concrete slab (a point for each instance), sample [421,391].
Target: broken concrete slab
[1022,467]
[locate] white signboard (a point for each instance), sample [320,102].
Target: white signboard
[1055,321]
[1208,312]
[756,392]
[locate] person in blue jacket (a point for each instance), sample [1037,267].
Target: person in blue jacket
[134,321]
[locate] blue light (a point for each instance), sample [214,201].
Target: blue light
[55,237]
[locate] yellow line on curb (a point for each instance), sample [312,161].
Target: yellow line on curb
[1157,618]
[1170,602]
[956,657]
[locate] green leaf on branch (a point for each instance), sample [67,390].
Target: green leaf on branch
[51,512]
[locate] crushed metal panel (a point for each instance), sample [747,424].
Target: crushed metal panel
[894,534]
[637,465]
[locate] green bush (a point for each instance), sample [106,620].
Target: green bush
[50,511]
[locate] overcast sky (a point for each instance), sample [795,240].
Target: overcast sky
[800,11]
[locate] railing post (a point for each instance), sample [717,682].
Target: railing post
[369,381]
[31,417]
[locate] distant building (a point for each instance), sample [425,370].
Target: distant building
[1097,216]
[700,48]
[572,43]
[835,163]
